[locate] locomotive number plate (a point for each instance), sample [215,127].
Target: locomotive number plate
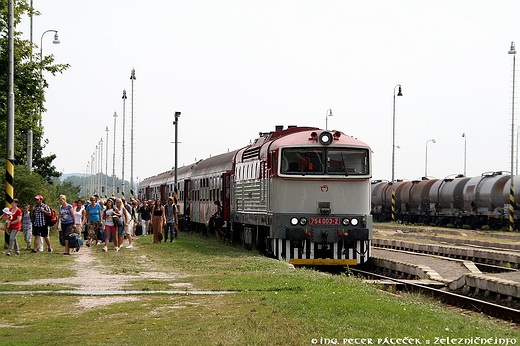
[324,221]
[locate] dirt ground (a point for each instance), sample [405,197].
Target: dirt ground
[91,275]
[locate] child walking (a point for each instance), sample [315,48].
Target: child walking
[27,225]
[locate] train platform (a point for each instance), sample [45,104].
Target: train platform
[456,274]
[500,257]
[422,266]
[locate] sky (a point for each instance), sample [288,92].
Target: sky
[234,68]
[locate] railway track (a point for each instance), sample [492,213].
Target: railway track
[482,306]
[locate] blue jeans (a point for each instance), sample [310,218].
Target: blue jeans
[171,228]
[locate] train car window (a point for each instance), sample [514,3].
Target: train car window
[303,161]
[347,161]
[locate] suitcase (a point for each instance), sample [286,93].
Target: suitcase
[75,240]
[139,229]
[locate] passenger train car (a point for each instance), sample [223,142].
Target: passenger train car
[300,194]
[458,201]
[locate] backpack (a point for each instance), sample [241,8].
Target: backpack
[50,220]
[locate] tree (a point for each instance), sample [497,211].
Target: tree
[29,89]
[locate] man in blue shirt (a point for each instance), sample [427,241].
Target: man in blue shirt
[94,217]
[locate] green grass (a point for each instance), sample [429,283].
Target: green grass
[273,304]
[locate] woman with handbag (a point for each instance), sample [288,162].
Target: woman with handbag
[80,216]
[67,219]
[111,217]
[125,218]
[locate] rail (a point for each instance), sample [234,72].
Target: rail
[492,309]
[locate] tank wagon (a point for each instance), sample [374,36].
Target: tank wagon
[458,201]
[299,194]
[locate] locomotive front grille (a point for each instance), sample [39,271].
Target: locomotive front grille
[312,253]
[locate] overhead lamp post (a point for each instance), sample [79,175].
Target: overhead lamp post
[30,134]
[106,164]
[426,157]
[123,158]
[114,159]
[176,123]
[399,93]
[512,51]
[132,187]
[101,189]
[56,40]
[328,114]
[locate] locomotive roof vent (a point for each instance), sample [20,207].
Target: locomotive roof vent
[278,128]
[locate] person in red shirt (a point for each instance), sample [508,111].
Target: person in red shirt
[14,225]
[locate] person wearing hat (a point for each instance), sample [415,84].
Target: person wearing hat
[14,224]
[40,228]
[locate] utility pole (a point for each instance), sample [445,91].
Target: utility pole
[132,187]
[9,163]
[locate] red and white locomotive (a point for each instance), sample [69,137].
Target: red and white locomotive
[300,194]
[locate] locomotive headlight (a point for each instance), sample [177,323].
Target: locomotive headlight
[345,222]
[325,138]
[354,222]
[303,221]
[294,221]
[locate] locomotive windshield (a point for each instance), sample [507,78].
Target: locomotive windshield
[325,161]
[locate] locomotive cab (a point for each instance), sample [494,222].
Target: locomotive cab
[316,193]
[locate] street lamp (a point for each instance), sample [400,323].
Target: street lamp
[55,41]
[426,157]
[106,164]
[30,131]
[132,78]
[176,123]
[100,176]
[123,158]
[328,114]
[114,159]
[465,147]
[399,93]
[512,50]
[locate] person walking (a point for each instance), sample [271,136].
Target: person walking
[40,228]
[145,216]
[110,227]
[217,220]
[27,225]
[80,218]
[14,224]
[158,219]
[67,221]
[94,213]
[129,227]
[125,217]
[170,211]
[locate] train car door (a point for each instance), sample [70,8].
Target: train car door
[226,195]
[186,208]
[164,193]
